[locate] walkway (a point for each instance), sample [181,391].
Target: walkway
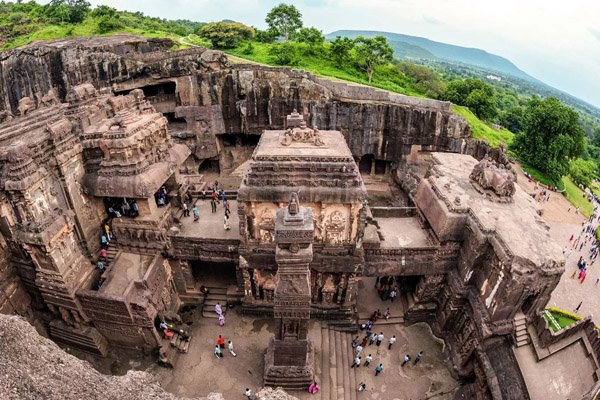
[210,225]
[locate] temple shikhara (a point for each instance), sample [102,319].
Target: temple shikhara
[329,191]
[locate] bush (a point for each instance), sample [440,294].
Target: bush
[285,54]
[582,171]
[248,48]
[226,35]
[109,24]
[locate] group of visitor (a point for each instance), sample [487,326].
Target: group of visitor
[386,288]
[126,208]
[217,196]
[221,346]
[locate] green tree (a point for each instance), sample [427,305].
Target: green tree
[595,139]
[108,24]
[513,118]
[284,20]
[582,171]
[426,80]
[340,49]
[78,10]
[285,54]
[268,36]
[475,94]
[371,53]
[226,35]
[311,36]
[551,137]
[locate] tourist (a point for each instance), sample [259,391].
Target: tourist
[362,387]
[378,369]
[221,320]
[183,335]
[196,213]
[313,388]
[372,338]
[107,230]
[406,359]
[418,358]
[221,342]
[391,342]
[163,325]
[100,266]
[359,350]
[135,210]
[104,242]
[364,341]
[186,210]
[226,224]
[356,362]
[355,342]
[386,314]
[218,353]
[230,348]
[368,360]
[168,334]
[379,339]
[248,394]
[393,294]
[223,198]
[578,306]
[213,205]
[103,254]
[218,309]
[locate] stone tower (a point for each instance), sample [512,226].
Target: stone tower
[289,358]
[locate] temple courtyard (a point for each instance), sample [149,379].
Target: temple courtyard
[199,371]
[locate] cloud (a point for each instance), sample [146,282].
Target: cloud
[595,33]
[431,20]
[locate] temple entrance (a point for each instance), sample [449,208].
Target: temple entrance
[365,163]
[214,274]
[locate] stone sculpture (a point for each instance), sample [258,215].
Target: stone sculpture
[487,175]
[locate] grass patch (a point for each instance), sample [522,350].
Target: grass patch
[562,317]
[317,61]
[483,131]
[541,176]
[577,197]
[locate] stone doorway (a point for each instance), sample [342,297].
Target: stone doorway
[370,299]
[214,274]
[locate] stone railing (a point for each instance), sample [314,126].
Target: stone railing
[393,212]
[204,249]
[414,260]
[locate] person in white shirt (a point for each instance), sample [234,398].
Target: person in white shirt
[391,342]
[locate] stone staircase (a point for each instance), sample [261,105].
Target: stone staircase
[395,318]
[338,380]
[215,295]
[521,334]
[111,252]
[181,345]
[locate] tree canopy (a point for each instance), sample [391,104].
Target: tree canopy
[284,19]
[340,49]
[371,53]
[551,137]
[226,35]
[475,94]
[311,36]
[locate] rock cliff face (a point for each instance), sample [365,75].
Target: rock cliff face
[215,98]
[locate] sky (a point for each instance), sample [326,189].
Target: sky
[557,42]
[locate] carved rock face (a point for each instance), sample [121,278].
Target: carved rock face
[488,175]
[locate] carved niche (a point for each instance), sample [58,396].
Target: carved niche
[335,227]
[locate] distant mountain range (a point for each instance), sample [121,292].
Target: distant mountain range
[421,49]
[414,47]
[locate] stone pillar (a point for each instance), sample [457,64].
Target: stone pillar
[290,355]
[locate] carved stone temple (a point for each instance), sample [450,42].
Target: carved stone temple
[290,356]
[122,131]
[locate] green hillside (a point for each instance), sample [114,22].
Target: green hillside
[440,50]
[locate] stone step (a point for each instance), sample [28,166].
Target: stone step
[325,382]
[353,384]
[522,342]
[340,365]
[348,357]
[216,290]
[522,335]
[212,300]
[209,312]
[382,321]
[332,366]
